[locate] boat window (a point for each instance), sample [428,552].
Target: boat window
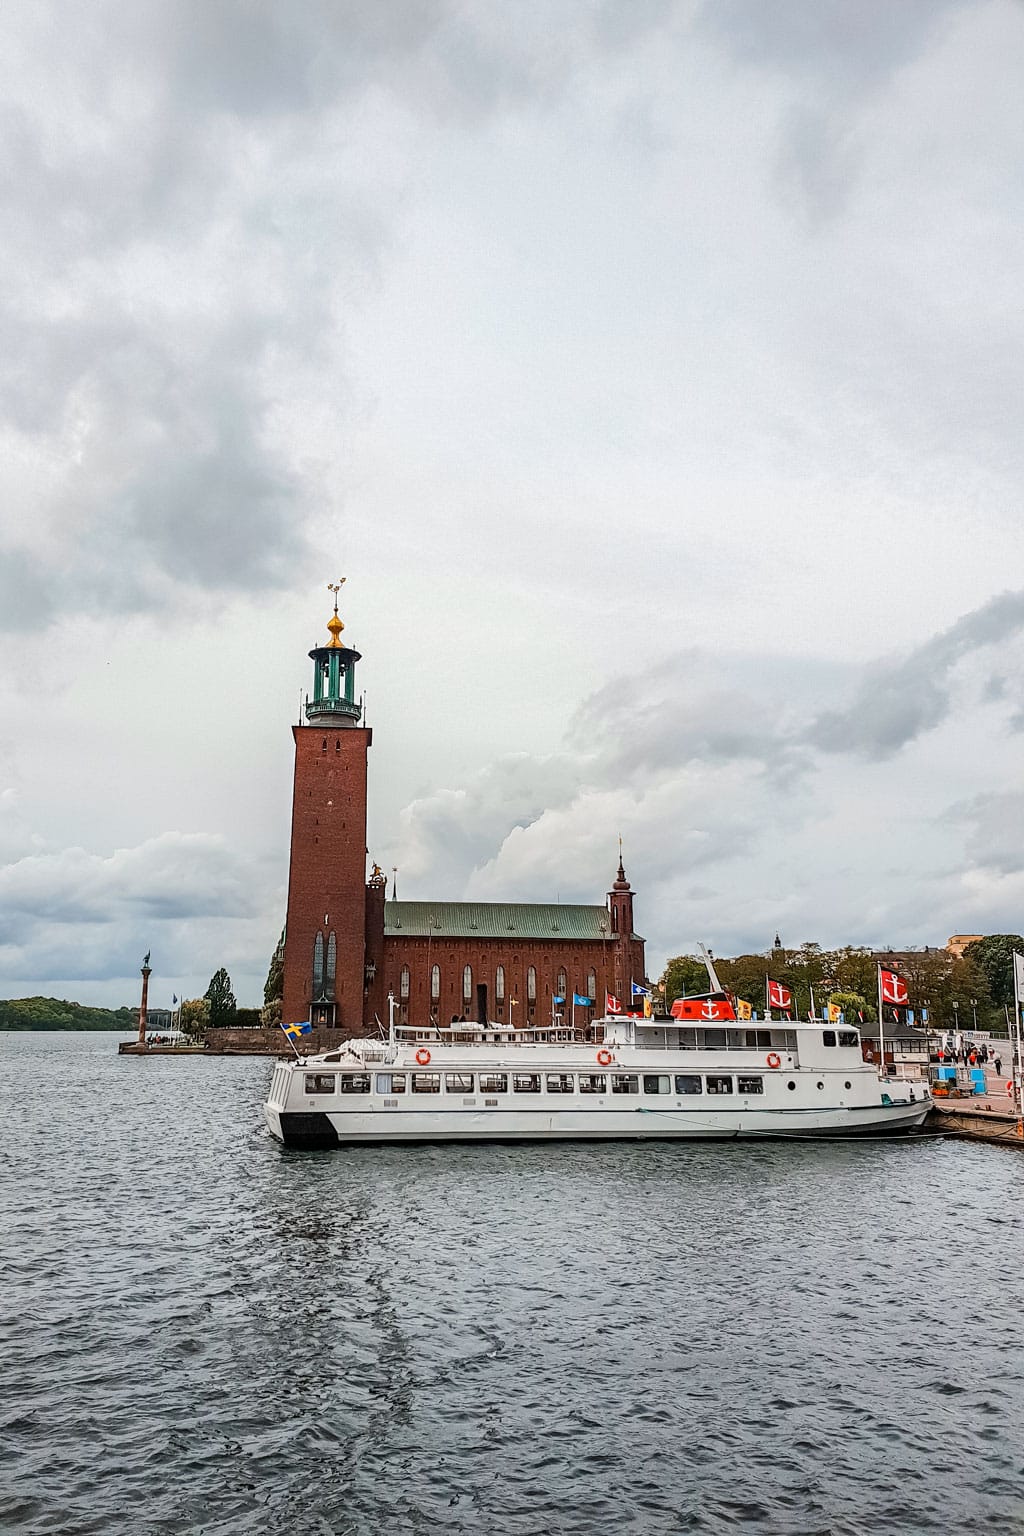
[759,1039]
[458,1082]
[592,1082]
[559,1082]
[354,1082]
[426,1082]
[494,1082]
[750,1085]
[657,1083]
[390,1082]
[526,1082]
[625,1083]
[828,1037]
[849,1037]
[319,1082]
[719,1084]
[687,1082]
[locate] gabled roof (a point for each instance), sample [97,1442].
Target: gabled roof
[495,920]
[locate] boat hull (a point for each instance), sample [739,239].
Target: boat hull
[321,1129]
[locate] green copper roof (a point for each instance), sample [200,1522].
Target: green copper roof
[494,920]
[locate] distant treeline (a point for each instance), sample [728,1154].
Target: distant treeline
[55,1013]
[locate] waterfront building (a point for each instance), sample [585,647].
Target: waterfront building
[347,945]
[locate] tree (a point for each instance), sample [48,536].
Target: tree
[852,1004]
[194,1015]
[273,989]
[993,956]
[221,1000]
[683,977]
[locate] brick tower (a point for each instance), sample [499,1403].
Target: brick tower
[627,946]
[325,932]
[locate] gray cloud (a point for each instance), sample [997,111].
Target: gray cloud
[900,699]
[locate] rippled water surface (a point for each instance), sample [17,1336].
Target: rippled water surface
[202,1331]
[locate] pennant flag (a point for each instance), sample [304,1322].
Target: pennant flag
[582,1002]
[611,1003]
[636,991]
[744,1010]
[779,996]
[174,1000]
[705,1010]
[1018,976]
[894,988]
[558,998]
[648,1006]
[833,1013]
[896,1014]
[294,1030]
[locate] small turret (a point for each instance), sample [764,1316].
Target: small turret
[334,675]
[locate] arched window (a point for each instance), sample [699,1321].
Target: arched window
[531,984]
[332,963]
[435,982]
[499,984]
[318,965]
[467,984]
[403,983]
[560,989]
[592,985]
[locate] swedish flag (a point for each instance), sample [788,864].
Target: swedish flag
[294,1030]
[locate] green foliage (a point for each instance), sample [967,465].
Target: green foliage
[683,977]
[247,1018]
[28,1013]
[270,1014]
[194,1015]
[852,1004]
[221,999]
[993,956]
[273,989]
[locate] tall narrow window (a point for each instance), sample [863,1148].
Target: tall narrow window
[561,984]
[499,984]
[615,919]
[531,984]
[332,963]
[318,965]
[435,982]
[403,983]
[467,984]
[592,984]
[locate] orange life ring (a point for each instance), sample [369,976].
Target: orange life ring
[773,1060]
[604,1058]
[423,1056]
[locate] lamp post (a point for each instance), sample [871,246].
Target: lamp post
[974,1011]
[956,1019]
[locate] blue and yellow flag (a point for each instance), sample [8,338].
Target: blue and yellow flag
[294,1030]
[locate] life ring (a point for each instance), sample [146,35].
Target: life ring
[604,1058]
[773,1060]
[423,1057]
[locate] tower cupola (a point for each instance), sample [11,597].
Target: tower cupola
[334,675]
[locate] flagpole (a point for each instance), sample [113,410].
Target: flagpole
[881,1020]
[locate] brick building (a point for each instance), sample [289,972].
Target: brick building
[347,946]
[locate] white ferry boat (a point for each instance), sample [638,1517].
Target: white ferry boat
[626,1079]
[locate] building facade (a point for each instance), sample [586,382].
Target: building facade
[347,946]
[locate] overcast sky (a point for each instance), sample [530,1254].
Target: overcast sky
[652,370]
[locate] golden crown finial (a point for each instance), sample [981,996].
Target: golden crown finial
[334,624]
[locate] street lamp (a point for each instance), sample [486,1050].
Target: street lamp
[956,1017]
[974,1010]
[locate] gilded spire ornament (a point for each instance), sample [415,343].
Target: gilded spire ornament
[334,624]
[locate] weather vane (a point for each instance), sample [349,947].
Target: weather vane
[335,587]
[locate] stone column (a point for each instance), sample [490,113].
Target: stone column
[144,1005]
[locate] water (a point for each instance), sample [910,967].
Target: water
[201,1331]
